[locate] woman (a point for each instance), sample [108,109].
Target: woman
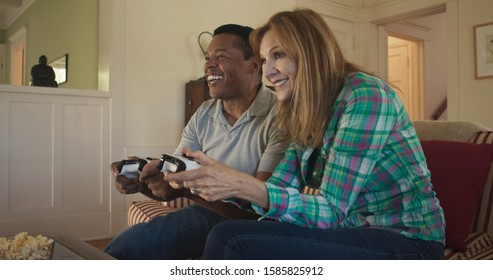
[351,139]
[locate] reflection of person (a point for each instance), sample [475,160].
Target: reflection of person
[352,139]
[42,74]
[236,127]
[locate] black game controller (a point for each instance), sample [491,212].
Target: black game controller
[131,168]
[176,163]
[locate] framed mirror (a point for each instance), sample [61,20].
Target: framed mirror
[60,66]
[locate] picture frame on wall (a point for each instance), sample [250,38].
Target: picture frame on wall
[483,51]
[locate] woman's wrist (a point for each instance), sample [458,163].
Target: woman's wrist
[253,190]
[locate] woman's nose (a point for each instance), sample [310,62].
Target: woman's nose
[269,69]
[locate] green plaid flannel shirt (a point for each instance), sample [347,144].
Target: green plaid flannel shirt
[371,170]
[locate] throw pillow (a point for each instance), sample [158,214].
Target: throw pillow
[458,173]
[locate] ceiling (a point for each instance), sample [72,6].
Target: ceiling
[9,9]
[360,4]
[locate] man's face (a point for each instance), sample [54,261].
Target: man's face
[225,68]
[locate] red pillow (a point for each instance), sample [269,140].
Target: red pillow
[458,173]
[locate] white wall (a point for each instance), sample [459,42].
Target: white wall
[475,97]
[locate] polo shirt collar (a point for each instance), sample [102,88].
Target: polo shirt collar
[260,107]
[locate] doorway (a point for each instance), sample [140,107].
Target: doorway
[405,72]
[425,39]
[2,63]
[18,57]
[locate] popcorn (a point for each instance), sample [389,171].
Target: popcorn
[25,247]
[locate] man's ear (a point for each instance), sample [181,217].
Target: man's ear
[255,64]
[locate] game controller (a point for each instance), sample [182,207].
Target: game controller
[176,163]
[131,168]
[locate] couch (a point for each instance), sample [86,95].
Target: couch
[459,155]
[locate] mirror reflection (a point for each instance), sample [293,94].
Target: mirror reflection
[52,28]
[60,67]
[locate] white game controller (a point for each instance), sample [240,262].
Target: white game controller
[176,163]
[131,168]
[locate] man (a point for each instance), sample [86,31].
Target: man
[236,127]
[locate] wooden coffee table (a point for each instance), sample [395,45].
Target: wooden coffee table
[71,248]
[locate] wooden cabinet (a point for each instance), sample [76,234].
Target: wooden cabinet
[196,92]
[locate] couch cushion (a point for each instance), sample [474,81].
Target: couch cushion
[483,219]
[479,247]
[145,210]
[458,173]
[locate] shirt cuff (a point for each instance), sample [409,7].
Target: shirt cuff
[278,202]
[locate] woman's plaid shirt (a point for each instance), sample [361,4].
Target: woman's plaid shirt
[370,170]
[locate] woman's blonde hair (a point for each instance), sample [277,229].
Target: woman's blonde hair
[321,67]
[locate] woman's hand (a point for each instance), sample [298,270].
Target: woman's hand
[215,181]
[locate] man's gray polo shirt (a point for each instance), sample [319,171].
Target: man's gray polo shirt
[251,145]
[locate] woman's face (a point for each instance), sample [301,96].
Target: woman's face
[279,68]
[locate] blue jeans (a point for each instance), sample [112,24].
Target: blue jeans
[255,240]
[177,235]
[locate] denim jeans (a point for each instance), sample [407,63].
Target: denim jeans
[178,235]
[274,240]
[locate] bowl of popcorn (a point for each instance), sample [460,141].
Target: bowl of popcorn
[26,247]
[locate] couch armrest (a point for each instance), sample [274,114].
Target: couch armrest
[461,131]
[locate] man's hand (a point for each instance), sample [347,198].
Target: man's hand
[154,179]
[123,184]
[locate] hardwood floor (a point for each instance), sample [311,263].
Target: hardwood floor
[100,243]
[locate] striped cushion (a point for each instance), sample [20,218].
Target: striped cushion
[484,137]
[145,210]
[178,203]
[483,219]
[479,247]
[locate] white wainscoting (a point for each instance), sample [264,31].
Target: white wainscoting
[54,158]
